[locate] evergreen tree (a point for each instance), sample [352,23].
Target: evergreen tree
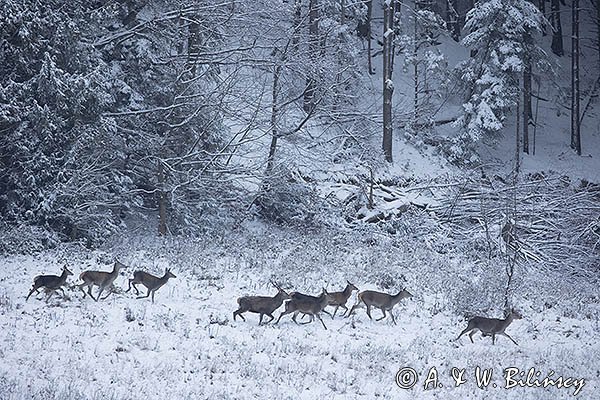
[501,39]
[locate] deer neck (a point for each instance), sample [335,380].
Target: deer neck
[322,301]
[278,298]
[396,299]
[115,271]
[507,321]
[347,291]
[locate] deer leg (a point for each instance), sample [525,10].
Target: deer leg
[369,311]
[62,291]
[153,296]
[110,290]
[50,293]
[281,315]
[321,319]
[238,312]
[383,316]
[493,338]
[81,288]
[344,307]
[100,293]
[90,292]
[463,332]
[335,311]
[33,289]
[312,318]
[270,316]
[393,318]
[354,307]
[506,334]
[148,295]
[132,282]
[474,331]
[295,315]
[328,313]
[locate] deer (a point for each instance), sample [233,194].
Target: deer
[302,296]
[491,326]
[262,305]
[151,282]
[307,305]
[339,299]
[50,282]
[383,301]
[99,278]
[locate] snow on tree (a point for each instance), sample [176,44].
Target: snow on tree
[501,38]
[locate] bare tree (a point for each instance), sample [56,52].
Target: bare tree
[575,92]
[388,83]
[557,39]
[526,102]
[314,41]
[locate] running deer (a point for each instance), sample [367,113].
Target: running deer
[385,302]
[301,296]
[339,299]
[262,305]
[50,282]
[307,305]
[99,278]
[491,326]
[152,283]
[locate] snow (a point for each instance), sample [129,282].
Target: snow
[186,345]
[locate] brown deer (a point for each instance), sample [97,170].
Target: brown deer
[302,296]
[50,282]
[491,326]
[101,279]
[262,305]
[151,282]
[339,299]
[307,305]
[385,302]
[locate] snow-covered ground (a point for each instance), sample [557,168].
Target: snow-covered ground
[186,345]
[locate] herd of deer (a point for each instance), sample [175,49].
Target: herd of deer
[104,280]
[296,302]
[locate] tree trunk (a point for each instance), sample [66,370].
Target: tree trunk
[575,95]
[572,108]
[388,86]
[576,133]
[416,69]
[453,20]
[297,22]
[557,40]
[162,200]
[542,7]
[526,103]
[364,31]
[313,52]
[274,118]
[598,30]
[518,145]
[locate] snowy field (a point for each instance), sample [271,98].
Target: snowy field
[186,345]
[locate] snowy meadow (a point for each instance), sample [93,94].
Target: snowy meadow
[186,344]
